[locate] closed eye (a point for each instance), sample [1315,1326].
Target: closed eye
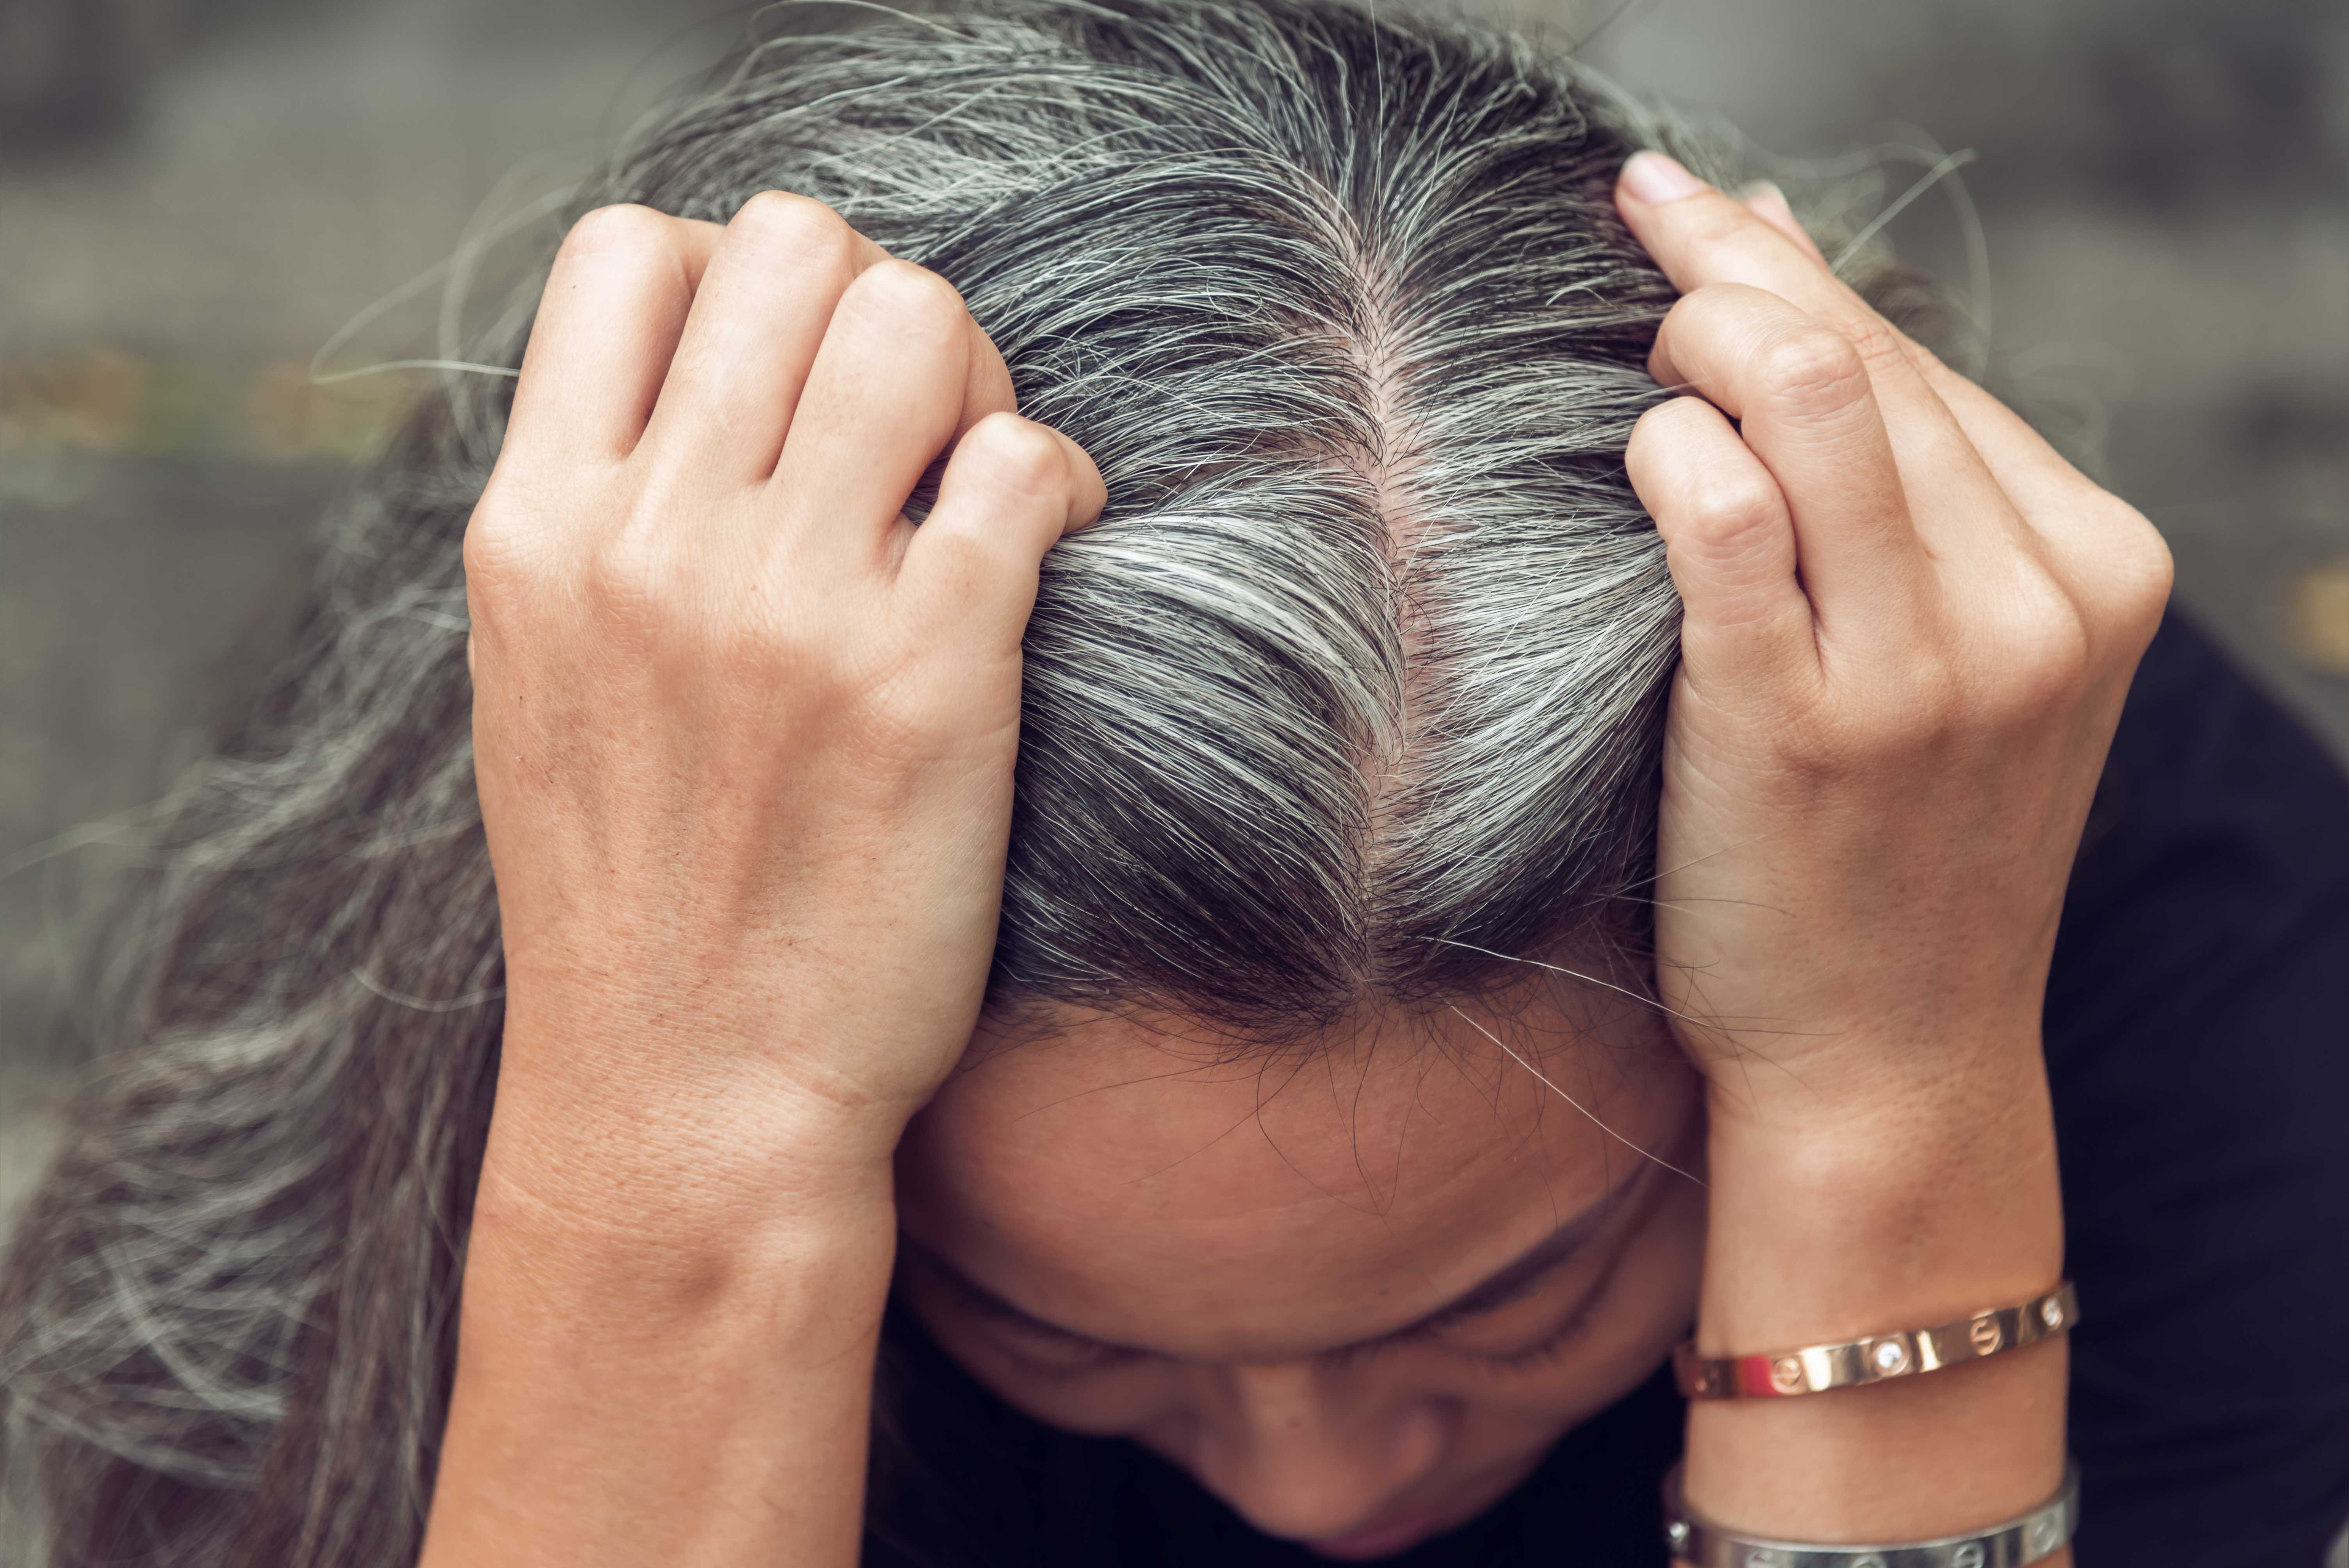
[1038,1346]
[1055,1353]
[1546,1349]
[1555,1343]
[1044,1351]
[1050,1350]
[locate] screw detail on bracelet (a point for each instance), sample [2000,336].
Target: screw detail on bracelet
[1815,1368]
[2014,1544]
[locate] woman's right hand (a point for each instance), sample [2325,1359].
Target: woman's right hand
[744,740]
[744,735]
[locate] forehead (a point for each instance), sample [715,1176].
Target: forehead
[1111,1178]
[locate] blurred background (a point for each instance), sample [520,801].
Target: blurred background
[197,196]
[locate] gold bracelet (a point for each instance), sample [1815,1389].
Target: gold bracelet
[1879,1358]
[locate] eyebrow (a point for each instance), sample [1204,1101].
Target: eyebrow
[1511,1283]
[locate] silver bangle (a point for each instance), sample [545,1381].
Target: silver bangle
[2037,1534]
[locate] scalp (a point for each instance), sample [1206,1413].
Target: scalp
[1358,682]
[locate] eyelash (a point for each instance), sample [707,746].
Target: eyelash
[1553,1345]
[1079,1358]
[1548,1349]
[1084,1358]
[1069,1357]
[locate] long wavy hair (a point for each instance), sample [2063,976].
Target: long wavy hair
[1357,687]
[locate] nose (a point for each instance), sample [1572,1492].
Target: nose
[1306,1451]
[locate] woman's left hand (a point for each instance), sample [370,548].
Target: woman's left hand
[1909,627]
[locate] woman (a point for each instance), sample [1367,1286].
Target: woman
[1396,1001]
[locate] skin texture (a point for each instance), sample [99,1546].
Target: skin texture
[745,743]
[1910,628]
[1246,1265]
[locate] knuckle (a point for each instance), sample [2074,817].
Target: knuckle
[1722,500]
[2054,667]
[1676,419]
[1019,455]
[1812,369]
[2032,660]
[497,547]
[623,227]
[627,569]
[491,563]
[800,226]
[1665,435]
[2143,571]
[1882,350]
[913,296]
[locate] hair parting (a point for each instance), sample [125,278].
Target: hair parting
[1355,691]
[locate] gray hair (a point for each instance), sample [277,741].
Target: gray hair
[1356,690]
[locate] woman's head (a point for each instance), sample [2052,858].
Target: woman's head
[1356,1288]
[1352,697]
[1357,685]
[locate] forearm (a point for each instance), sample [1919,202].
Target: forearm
[1908,626]
[692,1389]
[1901,1219]
[745,752]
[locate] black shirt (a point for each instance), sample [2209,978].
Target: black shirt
[2198,1046]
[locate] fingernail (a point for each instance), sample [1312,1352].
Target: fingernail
[1765,190]
[1654,180]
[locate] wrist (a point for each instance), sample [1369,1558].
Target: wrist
[650,1186]
[620,1390]
[601,1106]
[1864,1074]
[1824,1238]
[1852,1226]
[1861,1220]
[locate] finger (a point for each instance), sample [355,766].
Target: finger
[2044,486]
[1012,488]
[1699,236]
[988,388]
[1728,539]
[757,322]
[615,303]
[1979,480]
[1702,238]
[2110,560]
[1961,443]
[1767,202]
[1807,410]
[885,395]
